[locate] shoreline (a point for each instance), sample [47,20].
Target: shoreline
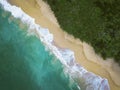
[60,40]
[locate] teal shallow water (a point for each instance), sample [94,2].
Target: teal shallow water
[24,62]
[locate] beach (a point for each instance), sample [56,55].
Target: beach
[83,52]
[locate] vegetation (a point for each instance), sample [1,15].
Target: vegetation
[95,21]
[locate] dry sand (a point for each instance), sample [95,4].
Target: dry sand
[84,53]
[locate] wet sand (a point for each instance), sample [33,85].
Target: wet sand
[84,53]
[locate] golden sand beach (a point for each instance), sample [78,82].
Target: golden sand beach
[84,53]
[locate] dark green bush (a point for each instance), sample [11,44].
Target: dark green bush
[95,21]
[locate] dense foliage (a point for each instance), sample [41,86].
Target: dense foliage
[95,21]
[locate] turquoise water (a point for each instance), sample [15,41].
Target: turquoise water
[24,62]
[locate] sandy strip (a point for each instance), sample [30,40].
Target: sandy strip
[84,53]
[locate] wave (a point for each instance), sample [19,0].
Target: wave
[88,80]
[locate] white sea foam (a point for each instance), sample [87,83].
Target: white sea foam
[66,56]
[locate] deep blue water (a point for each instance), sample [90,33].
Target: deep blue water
[24,62]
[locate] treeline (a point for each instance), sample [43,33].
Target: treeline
[95,21]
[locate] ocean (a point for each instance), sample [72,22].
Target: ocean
[29,60]
[25,64]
